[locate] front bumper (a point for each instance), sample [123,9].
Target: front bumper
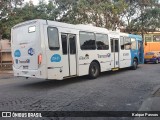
[150,60]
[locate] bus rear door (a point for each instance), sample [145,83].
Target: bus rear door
[141,52]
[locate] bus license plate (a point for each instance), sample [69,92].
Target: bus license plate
[25,67]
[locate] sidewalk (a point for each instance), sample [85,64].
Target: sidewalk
[151,104]
[6,74]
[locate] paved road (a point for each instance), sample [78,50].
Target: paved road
[123,90]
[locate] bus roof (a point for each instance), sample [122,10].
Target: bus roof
[138,37]
[66,25]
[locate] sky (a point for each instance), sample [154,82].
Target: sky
[35,2]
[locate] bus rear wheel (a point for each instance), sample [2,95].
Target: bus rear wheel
[94,70]
[135,64]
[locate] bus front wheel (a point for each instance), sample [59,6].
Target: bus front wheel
[156,62]
[94,70]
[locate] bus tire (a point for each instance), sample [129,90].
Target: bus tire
[156,62]
[94,70]
[135,64]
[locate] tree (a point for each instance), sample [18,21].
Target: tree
[7,8]
[148,16]
[27,12]
[102,13]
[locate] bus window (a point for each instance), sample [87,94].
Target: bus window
[64,43]
[122,42]
[127,42]
[87,41]
[72,40]
[102,42]
[148,39]
[116,45]
[53,41]
[156,38]
[112,46]
[133,44]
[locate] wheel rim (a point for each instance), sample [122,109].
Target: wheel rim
[156,61]
[93,70]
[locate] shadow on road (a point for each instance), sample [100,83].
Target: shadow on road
[47,84]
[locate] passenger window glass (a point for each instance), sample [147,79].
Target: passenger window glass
[102,42]
[87,41]
[148,39]
[156,38]
[127,43]
[122,42]
[72,40]
[32,29]
[53,41]
[116,45]
[112,45]
[64,43]
[133,44]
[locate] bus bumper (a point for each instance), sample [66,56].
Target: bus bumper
[39,73]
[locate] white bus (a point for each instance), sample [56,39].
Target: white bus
[54,50]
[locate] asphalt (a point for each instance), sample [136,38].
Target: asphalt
[124,90]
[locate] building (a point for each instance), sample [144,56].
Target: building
[5,54]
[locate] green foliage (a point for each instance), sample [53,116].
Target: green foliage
[137,15]
[16,15]
[102,13]
[148,18]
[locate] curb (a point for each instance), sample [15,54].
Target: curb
[6,72]
[155,90]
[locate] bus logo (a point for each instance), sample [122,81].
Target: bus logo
[104,56]
[31,51]
[56,58]
[26,61]
[17,53]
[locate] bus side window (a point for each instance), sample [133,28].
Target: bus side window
[53,40]
[64,43]
[87,41]
[116,45]
[102,42]
[133,44]
[72,41]
[122,42]
[112,47]
[127,43]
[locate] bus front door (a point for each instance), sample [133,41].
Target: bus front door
[115,52]
[69,54]
[140,51]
